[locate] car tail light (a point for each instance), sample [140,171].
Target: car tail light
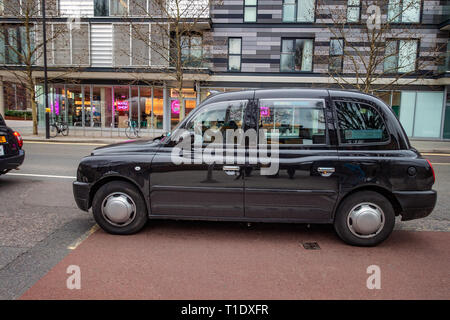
[432,170]
[19,139]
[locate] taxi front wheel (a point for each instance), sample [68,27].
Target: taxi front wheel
[119,208]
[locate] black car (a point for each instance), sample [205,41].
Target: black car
[285,155]
[11,153]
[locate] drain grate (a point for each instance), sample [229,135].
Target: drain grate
[311,245]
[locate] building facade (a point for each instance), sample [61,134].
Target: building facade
[102,73]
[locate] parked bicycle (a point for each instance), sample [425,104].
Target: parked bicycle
[59,127]
[132,130]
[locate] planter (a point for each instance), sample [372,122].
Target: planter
[17,118]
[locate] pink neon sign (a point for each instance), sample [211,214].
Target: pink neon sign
[122,105]
[175,106]
[264,111]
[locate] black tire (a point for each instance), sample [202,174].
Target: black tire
[140,214]
[65,129]
[344,231]
[129,132]
[53,131]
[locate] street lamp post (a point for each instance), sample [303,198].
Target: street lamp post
[44,37]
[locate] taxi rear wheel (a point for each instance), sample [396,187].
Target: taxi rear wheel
[365,218]
[119,208]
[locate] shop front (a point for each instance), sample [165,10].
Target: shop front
[107,110]
[98,108]
[423,114]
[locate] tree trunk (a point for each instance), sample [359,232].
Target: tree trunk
[34,111]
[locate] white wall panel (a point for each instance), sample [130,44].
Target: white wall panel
[77,8]
[101,45]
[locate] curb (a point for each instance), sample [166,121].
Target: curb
[436,151]
[81,141]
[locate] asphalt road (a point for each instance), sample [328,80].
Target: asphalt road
[40,223]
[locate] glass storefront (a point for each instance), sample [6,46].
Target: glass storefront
[420,112]
[111,107]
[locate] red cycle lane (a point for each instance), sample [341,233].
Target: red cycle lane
[201,260]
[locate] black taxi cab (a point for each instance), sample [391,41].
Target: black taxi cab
[286,155]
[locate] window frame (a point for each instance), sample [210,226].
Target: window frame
[287,145]
[39,11]
[359,6]
[397,55]
[296,11]
[127,13]
[114,64]
[250,6]
[340,55]
[312,54]
[187,60]
[234,54]
[199,111]
[364,102]
[148,25]
[401,15]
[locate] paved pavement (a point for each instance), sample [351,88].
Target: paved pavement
[41,227]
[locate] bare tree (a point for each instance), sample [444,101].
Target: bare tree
[21,44]
[177,41]
[378,44]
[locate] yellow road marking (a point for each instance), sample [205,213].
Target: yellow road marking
[78,143]
[440,164]
[77,242]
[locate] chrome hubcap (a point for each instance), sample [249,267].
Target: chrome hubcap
[365,220]
[119,209]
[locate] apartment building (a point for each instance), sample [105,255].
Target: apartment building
[102,74]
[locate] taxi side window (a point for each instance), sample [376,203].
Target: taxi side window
[217,118]
[360,123]
[295,121]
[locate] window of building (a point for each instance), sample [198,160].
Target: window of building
[121,45]
[406,11]
[32,7]
[353,10]
[234,54]
[159,44]
[360,123]
[421,113]
[13,44]
[140,45]
[101,8]
[298,121]
[191,51]
[336,55]
[296,55]
[138,7]
[61,44]
[80,45]
[118,7]
[299,10]
[250,10]
[400,56]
